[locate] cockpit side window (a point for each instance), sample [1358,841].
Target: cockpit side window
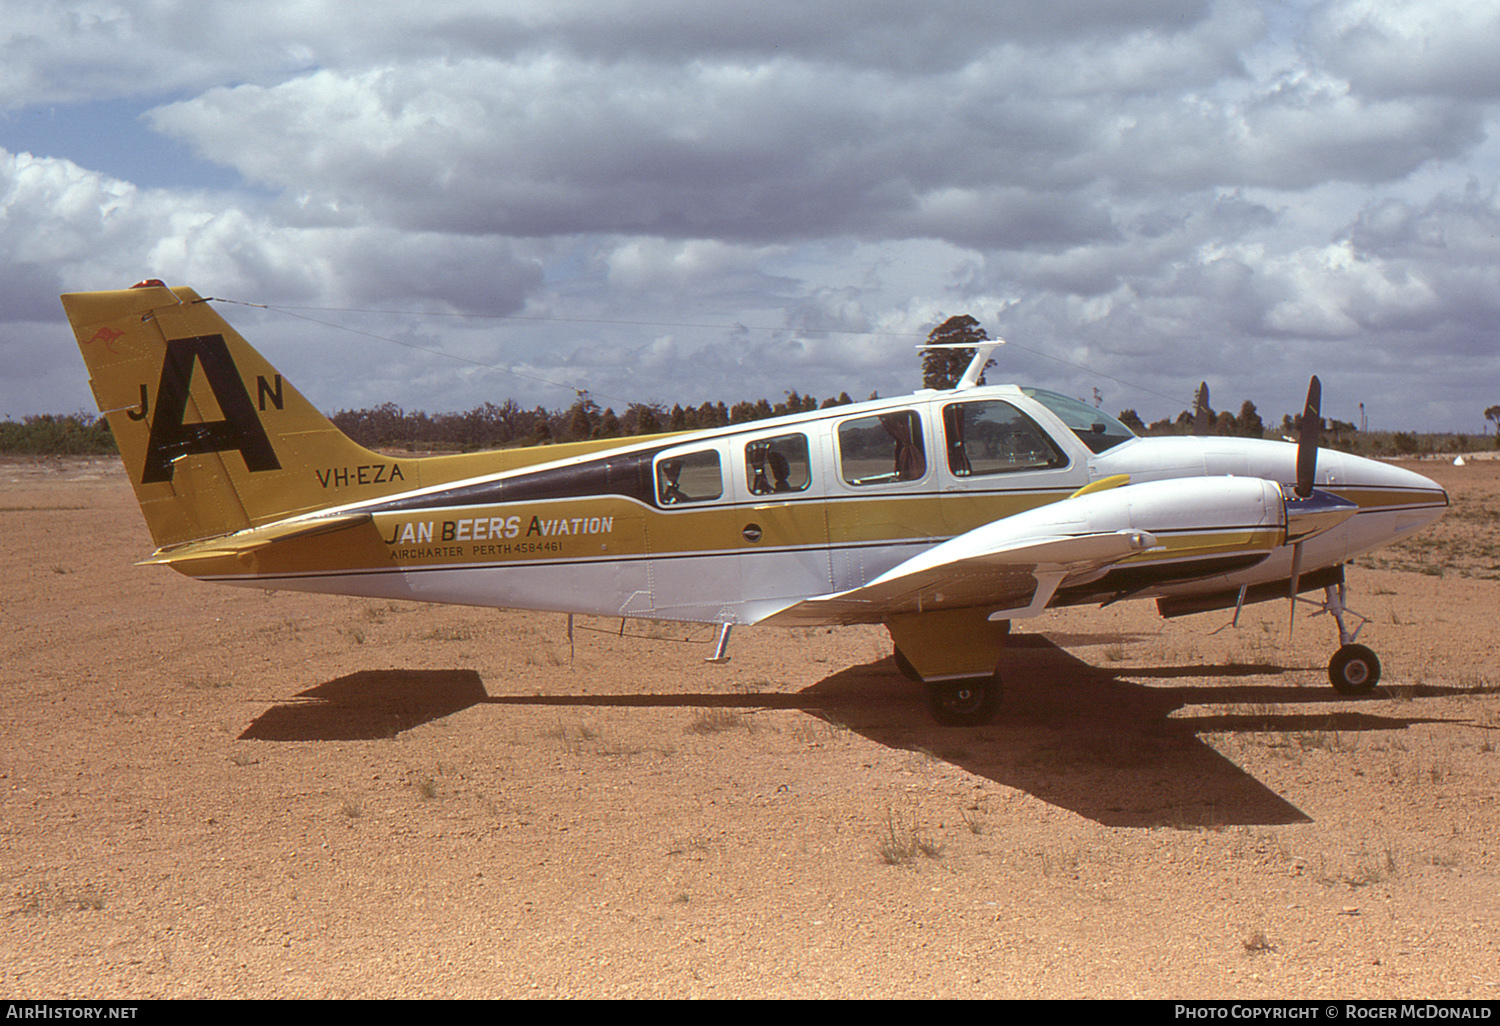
[689,477]
[1095,428]
[882,449]
[994,437]
[776,465]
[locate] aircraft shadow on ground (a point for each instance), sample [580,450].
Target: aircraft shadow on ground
[1077,736]
[1087,739]
[368,705]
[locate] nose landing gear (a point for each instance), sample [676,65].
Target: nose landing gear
[1354,669]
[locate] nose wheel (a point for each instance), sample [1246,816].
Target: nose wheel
[1354,670]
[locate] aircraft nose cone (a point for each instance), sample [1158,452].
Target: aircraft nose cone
[1422,483]
[1429,483]
[1415,498]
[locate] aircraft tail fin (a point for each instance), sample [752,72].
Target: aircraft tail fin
[213,438]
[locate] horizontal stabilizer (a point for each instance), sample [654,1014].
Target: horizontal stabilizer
[243,543]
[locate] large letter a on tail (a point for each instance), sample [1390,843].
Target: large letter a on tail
[240,429]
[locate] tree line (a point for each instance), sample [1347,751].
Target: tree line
[492,426]
[57,434]
[508,424]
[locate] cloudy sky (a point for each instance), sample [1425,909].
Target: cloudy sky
[456,201]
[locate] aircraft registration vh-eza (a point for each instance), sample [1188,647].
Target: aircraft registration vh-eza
[943,515]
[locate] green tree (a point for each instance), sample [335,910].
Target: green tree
[643,419]
[1493,413]
[541,431]
[942,368]
[582,418]
[708,416]
[57,435]
[609,424]
[1248,424]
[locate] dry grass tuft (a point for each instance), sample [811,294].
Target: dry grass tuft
[48,899]
[1257,943]
[714,721]
[904,840]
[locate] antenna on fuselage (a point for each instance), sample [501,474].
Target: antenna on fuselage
[975,370]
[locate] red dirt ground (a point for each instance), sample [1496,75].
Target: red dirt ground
[217,792]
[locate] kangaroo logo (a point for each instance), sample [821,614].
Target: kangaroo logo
[240,429]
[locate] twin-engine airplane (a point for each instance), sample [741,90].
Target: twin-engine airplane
[943,515]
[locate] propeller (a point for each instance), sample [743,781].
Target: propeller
[1309,435]
[1200,410]
[1309,432]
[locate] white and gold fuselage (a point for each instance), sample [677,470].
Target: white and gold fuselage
[932,513]
[562,536]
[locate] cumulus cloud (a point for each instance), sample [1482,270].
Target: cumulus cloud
[1392,48]
[1155,191]
[91,230]
[1006,150]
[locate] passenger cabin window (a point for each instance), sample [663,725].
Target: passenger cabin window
[996,438]
[882,449]
[691,477]
[776,465]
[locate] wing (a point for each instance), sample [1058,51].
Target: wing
[1166,530]
[1017,578]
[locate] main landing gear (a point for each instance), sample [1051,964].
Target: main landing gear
[1354,669]
[965,702]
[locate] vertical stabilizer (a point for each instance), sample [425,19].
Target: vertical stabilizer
[213,438]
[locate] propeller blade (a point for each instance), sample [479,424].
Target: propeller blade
[1309,432]
[1200,410]
[1296,573]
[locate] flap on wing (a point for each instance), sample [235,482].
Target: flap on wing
[245,542]
[1016,578]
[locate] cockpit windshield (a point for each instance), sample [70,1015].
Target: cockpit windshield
[1098,430]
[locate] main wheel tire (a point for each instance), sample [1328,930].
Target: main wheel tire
[1354,670]
[964,703]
